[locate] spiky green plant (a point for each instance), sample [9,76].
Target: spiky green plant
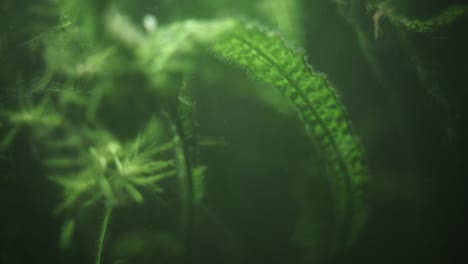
[116,172]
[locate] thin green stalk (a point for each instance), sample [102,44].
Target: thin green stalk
[103,232]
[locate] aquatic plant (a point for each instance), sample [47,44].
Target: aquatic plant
[269,60]
[387,9]
[99,58]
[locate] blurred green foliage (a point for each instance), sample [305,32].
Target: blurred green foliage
[111,92]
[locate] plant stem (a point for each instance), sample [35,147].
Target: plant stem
[103,232]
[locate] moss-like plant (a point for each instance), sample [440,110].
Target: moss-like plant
[99,57]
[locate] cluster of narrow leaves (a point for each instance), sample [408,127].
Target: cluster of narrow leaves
[117,172]
[89,163]
[265,56]
[87,160]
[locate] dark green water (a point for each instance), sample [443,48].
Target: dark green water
[266,195]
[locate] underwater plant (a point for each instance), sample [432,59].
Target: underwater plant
[209,131]
[98,61]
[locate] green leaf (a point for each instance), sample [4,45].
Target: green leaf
[171,50]
[198,174]
[66,234]
[443,19]
[265,56]
[285,15]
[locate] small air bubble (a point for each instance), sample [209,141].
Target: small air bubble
[150,23]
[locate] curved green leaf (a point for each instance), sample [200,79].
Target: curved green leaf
[264,55]
[443,19]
